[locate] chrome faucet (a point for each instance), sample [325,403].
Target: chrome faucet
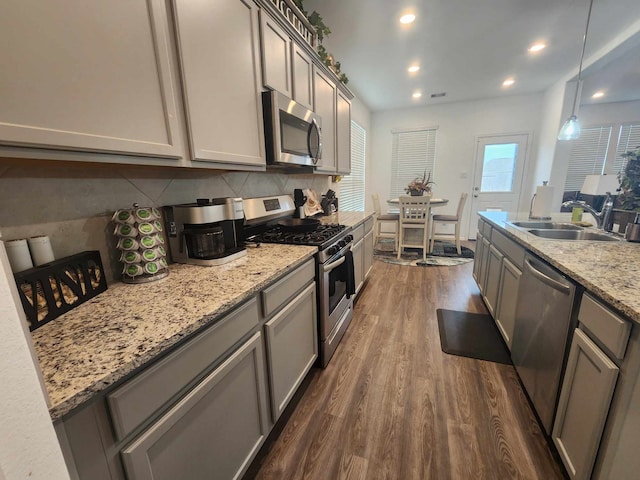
[603,217]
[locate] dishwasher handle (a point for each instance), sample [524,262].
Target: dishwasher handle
[556,285]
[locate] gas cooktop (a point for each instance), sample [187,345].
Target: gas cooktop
[317,237]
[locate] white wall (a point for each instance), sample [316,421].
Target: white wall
[28,444]
[459,124]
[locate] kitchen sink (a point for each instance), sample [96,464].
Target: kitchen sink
[573,235]
[547,225]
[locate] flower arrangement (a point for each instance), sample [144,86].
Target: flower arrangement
[629,198]
[420,185]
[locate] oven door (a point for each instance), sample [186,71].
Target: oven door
[335,275]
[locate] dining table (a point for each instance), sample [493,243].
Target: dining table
[394,203]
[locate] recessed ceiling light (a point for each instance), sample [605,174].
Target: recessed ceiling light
[413,68]
[536,47]
[408,18]
[598,94]
[416,94]
[508,82]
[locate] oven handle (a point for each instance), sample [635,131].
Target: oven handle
[327,268]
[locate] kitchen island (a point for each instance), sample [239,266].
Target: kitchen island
[595,417]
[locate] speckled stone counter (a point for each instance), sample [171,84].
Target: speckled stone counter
[607,269]
[98,343]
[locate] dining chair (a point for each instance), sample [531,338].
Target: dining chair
[384,219]
[414,216]
[448,219]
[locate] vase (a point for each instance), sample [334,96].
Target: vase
[415,193]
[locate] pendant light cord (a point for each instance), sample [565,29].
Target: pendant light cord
[584,44]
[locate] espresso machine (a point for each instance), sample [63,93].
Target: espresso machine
[208,232]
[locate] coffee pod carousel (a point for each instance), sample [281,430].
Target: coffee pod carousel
[141,244]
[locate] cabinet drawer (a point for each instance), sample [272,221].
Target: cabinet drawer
[368,225]
[136,400]
[511,249]
[611,330]
[281,291]
[358,233]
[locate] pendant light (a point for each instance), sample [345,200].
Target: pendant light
[571,128]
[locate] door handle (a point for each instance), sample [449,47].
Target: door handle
[476,188]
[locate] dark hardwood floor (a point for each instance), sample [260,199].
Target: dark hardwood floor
[392,405]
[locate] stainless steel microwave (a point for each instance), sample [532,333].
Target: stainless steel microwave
[292,132]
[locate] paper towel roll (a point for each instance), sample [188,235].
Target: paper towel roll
[41,250]
[542,202]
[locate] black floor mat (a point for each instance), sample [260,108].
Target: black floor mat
[471,335]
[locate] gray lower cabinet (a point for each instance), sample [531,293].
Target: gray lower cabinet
[368,247]
[214,431]
[477,260]
[358,263]
[292,347]
[493,276]
[587,389]
[505,314]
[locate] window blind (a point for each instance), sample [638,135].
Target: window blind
[352,192]
[628,139]
[413,153]
[588,155]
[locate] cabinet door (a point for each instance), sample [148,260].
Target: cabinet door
[492,285]
[358,263]
[477,260]
[292,347]
[302,77]
[214,431]
[276,55]
[368,253]
[220,59]
[343,134]
[92,76]
[587,389]
[324,102]
[507,296]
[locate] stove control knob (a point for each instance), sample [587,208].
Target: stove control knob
[348,238]
[342,243]
[332,250]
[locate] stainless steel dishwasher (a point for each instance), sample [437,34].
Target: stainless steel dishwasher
[541,334]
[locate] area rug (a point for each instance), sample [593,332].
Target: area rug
[472,335]
[444,254]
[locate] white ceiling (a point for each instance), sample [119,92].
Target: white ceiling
[466,48]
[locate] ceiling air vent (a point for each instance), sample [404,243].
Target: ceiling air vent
[438,95]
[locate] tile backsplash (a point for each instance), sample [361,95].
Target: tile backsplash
[73,203]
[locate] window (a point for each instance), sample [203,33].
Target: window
[628,139]
[499,167]
[588,155]
[352,186]
[413,153]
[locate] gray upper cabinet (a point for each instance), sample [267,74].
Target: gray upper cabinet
[220,59]
[214,431]
[343,133]
[302,77]
[88,76]
[324,102]
[276,55]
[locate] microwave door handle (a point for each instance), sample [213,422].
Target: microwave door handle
[314,128]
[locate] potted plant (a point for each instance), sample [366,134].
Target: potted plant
[418,186]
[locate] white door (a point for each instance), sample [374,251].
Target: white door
[497,178]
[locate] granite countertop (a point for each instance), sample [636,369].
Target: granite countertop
[607,269]
[103,340]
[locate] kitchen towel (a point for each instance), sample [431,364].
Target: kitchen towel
[312,206]
[542,202]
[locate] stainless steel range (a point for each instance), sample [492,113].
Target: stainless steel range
[270,220]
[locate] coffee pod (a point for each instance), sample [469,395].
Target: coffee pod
[19,256]
[158,225]
[155,213]
[150,255]
[163,263]
[128,244]
[126,230]
[133,270]
[152,267]
[148,241]
[146,228]
[41,250]
[161,251]
[131,257]
[144,214]
[124,216]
